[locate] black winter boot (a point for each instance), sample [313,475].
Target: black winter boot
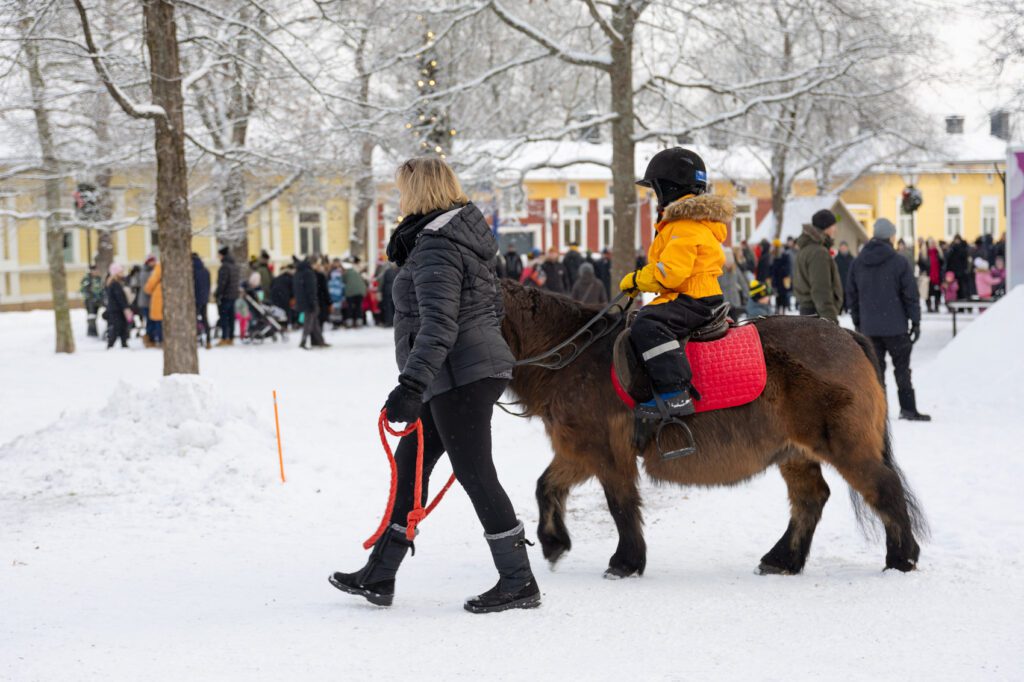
[516,588]
[376,580]
[908,408]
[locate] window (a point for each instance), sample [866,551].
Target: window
[989,215]
[69,247]
[742,222]
[572,225]
[154,240]
[513,201]
[607,227]
[953,178]
[310,237]
[905,223]
[6,233]
[573,189]
[954,216]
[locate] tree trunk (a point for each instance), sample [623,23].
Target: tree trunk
[174,224]
[105,213]
[623,146]
[54,225]
[365,189]
[365,194]
[236,235]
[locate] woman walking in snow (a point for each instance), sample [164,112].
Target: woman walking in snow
[454,365]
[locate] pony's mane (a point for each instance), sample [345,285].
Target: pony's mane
[541,319]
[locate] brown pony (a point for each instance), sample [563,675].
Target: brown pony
[823,403]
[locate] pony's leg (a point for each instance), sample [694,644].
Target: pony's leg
[867,465]
[623,495]
[808,493]
[552,490]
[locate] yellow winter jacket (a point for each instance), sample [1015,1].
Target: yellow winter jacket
[686,256]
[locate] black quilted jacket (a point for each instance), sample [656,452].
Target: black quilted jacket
[448,305]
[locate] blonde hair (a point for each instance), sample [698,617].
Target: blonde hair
[427,184]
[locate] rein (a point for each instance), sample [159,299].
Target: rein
[558,361]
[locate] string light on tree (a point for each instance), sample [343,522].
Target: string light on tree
[432,128]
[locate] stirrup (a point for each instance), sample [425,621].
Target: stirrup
[689,449]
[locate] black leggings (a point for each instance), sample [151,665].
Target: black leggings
[458,422]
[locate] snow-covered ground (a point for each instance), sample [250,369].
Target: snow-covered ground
[146,534]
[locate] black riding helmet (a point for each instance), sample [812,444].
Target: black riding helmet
[674,173]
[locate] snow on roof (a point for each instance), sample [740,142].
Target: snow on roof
[799,211]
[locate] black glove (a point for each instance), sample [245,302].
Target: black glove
[405,401]
[915,332]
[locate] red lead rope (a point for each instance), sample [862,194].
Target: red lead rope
[418,513]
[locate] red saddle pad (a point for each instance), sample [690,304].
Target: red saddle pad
[727,373]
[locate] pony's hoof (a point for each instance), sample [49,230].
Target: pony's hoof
[769,569]
[554,554]
[616,573]
[901,565]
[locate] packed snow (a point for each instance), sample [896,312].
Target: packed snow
[147,534]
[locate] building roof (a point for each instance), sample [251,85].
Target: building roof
[798,213]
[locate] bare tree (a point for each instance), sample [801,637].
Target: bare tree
[174,223]
[53,190]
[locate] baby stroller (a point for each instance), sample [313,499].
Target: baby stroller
[268,321]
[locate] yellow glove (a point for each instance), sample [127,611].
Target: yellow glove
[629,285]
[640,280]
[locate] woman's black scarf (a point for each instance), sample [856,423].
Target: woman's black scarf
[403,239]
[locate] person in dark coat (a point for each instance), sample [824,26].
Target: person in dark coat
[588,289]
[307,303]
[282,291]
[228,283]
[603,270]
[513,264]
[816,283]
[884,304]
[387,304]
[844,259]
[782,278]
[454,364]
[763,272]
[201,282]
[119,313]
[556,279]
[323,296]
[572,261]
[958,262]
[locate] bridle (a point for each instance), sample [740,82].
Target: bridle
[566,352]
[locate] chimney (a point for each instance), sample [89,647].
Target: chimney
[955,125]
[999,121]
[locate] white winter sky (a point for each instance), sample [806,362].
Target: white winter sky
[967,85]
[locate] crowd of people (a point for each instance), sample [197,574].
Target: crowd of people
[254,301]
[759,280]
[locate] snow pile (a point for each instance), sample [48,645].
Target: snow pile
[985,363]
[168,448]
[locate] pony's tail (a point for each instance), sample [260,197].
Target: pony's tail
[867,521]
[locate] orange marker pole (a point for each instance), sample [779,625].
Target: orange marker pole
[277,424]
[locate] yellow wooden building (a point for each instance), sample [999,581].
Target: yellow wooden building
[312,216]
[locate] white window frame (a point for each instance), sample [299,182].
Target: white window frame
[747,215]
[901,224]
[606,215]
[572,190]
[581,228]
[953,202]
[991,202]
[322,227]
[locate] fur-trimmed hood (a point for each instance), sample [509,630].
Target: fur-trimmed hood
[711,207]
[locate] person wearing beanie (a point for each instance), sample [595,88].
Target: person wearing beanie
[759,302]
[228,284]
[884,304]
[816,283]
[119,313]
[683,266]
